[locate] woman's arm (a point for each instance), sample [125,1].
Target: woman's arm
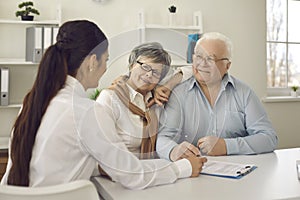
[163,91]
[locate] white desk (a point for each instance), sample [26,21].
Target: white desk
[274,178]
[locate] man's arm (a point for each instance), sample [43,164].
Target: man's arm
[170,131]
[262,137]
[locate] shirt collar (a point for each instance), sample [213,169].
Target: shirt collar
[133,94]
[227,79]
[76,86]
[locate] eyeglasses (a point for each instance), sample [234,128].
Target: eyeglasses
[211,60]
[148,68]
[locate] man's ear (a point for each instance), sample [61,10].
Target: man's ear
[194,69]
[228,65]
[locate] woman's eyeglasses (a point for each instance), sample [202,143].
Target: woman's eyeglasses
[148,68]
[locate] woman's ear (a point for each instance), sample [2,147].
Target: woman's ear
[93,62]
[130,67]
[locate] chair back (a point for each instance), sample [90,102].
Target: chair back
[76,190]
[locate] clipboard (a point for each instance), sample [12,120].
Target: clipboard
[227,169]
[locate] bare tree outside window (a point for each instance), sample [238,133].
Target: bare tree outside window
[283,43]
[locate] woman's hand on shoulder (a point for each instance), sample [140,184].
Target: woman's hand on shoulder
[161,95]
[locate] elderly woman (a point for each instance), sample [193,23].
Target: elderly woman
[135,119]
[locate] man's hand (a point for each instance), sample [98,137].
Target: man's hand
[212,146]
[184,150]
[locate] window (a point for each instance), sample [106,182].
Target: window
[283,45]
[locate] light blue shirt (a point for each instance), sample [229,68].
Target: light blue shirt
[238,116]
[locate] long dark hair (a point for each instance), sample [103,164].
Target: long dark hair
[75,40]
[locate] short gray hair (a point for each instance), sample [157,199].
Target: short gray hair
[217,36]
[153,51]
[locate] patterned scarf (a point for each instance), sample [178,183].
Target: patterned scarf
[150,121]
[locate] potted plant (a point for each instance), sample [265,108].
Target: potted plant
[172,14]
[294,90]
[172,9]
[26,9]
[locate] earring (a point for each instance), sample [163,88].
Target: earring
[91,69]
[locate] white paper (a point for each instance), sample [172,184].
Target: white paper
[226,169]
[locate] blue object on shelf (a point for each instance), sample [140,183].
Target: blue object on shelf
[192,39]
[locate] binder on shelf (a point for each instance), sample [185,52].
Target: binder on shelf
[47,38]
[54,34]
[34,44]
[38,39]
[227,169]
[197,20]
[4,87]
[192,40]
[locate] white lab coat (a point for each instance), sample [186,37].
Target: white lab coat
[72,139]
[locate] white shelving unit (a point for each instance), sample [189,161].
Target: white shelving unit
[174,38]
[21,73]
[43,22]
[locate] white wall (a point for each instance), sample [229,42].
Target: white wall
[242,20]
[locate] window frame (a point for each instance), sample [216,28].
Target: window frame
[280,91]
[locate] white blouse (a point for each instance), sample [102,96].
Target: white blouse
[129,126]
[75,136]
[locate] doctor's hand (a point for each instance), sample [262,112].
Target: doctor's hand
[184,150]
[212,146]
[197,164]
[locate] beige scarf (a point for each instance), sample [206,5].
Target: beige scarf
[149,118]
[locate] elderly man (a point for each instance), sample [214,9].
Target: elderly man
[213,113]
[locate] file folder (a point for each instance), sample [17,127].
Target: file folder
[34,44]
[192,40]
[4,87]
[54,34]
[47,38]
[227,169]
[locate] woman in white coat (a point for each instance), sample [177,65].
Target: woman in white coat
[58,136]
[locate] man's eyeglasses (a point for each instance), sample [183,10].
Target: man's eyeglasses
[148,68]
[211,60]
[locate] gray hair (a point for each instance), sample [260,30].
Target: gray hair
[153,51]
[217,36]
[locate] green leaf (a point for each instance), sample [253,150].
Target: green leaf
[95,94]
